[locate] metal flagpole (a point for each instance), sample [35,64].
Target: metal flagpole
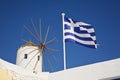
[64,50]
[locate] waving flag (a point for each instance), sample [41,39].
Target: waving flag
[79,32]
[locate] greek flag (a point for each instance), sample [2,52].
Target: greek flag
[79,32]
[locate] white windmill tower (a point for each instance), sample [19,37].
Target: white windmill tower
[29,56]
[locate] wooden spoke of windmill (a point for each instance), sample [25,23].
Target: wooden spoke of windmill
[40,54]
[42,45]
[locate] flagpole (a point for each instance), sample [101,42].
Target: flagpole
[64,50]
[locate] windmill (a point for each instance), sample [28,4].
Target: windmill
[30,55]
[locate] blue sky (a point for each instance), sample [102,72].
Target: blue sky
[104,15]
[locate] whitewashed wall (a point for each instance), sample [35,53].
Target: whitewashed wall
[99,71]
[19,73]
[31,58]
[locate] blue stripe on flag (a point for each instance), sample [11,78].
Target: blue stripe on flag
[67,27]
[92,34]
[67,20]
[77,29]
[88,27]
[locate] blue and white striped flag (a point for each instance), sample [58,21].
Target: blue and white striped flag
[79,32]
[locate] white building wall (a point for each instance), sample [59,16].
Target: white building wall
[19,73]
[31,58]
[99,71]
